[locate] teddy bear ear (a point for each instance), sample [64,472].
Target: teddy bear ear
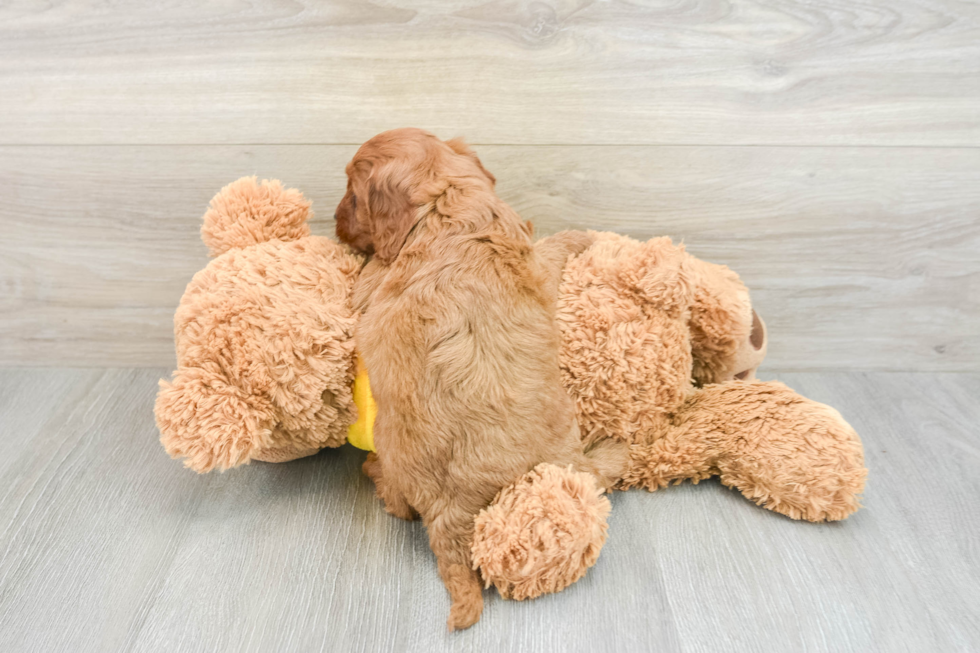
[246,212]
[209,422]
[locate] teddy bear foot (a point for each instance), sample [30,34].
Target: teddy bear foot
[805,462]
[827,491]
[542,533]
[806,505]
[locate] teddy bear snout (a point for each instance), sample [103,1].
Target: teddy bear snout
[758,335]
[751,355]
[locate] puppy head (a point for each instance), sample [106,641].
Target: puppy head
[459,146]
[390,178]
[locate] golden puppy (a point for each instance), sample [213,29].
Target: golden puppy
[459,337]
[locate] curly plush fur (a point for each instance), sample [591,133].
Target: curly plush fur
[637,319]
[782,451]
[264,337]
[623,311]
[542,533]
[246,213]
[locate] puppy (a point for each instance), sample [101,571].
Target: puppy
[459,337]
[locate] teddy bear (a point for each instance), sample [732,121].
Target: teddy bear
[658,351]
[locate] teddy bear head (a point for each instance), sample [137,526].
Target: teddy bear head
[264,336]
[641,324]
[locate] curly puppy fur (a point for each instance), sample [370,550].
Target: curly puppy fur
[264,337]
[459,336]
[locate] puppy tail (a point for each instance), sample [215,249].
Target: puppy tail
[245,213]
[209,422]
[542,533]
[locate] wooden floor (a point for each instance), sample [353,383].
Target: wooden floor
[827,151]
[108,545]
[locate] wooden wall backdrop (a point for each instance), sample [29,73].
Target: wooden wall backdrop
[827,151]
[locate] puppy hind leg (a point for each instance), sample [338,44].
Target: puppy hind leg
[451,538]
[609,461]
[395,502]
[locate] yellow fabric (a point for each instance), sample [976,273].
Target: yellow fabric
[361,432]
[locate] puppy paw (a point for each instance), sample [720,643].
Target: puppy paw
[395,504]
[372,467]
[400,509]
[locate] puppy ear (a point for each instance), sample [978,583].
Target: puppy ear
[459,146]
[393,217]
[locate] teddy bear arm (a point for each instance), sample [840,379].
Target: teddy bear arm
[542,533]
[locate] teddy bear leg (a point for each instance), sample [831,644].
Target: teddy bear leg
[783,451]
[671,459]
[812,471]
[395,502]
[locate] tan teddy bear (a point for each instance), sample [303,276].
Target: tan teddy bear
[658,350]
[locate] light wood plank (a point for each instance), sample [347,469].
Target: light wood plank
[106,544]
[883,72]
[833,587]
[27,401]
[857,257]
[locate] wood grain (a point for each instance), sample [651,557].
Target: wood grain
[880,72]
[829,152]
[106,544]
[863,258]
